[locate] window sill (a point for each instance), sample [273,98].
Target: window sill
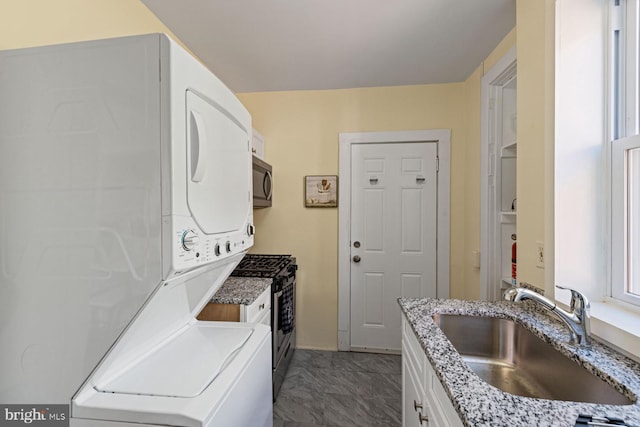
[615,325]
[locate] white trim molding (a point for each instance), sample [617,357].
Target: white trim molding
[346,140]
[503,71]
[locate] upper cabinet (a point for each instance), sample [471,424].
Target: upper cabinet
[257,145]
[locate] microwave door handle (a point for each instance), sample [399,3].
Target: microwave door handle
[267,186]
[198,143]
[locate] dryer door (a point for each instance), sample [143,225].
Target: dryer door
[218,158]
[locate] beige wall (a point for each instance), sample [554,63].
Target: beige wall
[535,32]
[301,132]
[26,23]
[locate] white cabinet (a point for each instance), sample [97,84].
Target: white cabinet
[259,311]
[414,413]
[425,403]
[257,144]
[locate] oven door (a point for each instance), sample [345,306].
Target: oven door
[282,332]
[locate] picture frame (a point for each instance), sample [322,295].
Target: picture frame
[321,191]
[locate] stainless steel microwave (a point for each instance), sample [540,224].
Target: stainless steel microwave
[262,183]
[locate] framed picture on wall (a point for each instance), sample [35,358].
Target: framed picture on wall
[321,191]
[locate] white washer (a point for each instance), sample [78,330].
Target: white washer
[209,374]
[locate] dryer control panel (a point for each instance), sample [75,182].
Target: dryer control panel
[191,248]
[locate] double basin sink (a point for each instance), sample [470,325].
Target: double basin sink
[508,356]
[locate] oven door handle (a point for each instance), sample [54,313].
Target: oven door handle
[276,311]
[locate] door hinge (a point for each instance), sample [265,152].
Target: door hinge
[437,164]
[617,16]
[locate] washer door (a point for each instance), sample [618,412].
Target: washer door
[194,358]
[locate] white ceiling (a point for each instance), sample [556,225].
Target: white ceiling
[266,45]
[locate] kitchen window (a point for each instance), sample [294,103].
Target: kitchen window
[624,152]
[594,201]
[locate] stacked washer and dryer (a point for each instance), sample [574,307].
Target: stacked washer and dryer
[125,202]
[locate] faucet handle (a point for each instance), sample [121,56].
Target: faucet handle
[510,294]
[579,301]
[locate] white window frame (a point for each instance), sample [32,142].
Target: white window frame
[620,246]
[580,203]
[624,72]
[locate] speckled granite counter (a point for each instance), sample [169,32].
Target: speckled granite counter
[480,404]
[241,290]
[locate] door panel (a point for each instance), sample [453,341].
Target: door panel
[373,220]
[393,215]
[411,219]
[373,299]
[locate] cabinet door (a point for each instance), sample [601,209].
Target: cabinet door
[442,411]
[411,392]
[255,311]
[257,144]
[420,384]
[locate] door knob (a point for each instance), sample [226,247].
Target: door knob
[356,258]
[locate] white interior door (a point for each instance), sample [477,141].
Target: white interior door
[393,236]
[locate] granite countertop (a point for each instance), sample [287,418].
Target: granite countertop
[241,290]
[480,404]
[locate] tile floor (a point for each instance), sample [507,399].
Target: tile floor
[325,388]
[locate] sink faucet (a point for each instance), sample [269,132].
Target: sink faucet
[577,320]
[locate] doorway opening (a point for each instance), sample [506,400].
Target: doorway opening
[499,205]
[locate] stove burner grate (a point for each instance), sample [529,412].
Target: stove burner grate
[257,265]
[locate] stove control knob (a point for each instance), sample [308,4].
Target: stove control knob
[228,247]
[251,230]
[216,249]
[189,240]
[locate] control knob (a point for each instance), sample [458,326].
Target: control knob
[228,246]
[250,230]
[189,240]
[216,249]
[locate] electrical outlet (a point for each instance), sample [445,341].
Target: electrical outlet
[539,254]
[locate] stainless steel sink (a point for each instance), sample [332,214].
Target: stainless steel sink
[511,358]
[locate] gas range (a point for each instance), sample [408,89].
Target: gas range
[282,269]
